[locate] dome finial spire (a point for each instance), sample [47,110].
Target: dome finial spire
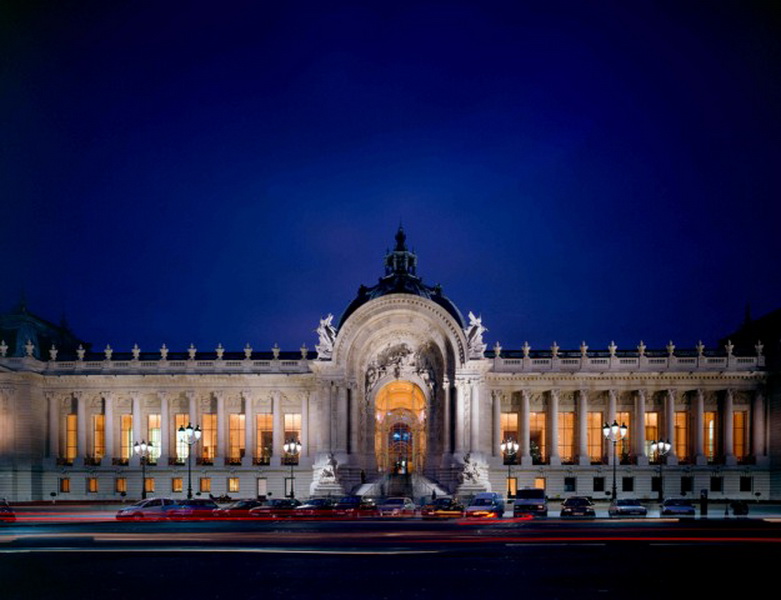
[401,239]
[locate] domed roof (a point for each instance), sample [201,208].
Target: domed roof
[401,278]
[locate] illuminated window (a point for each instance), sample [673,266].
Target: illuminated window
[233,485]
[539,483]
[205,484]
[71,437]
[710,431]
[176,484]
[293,426]
[65,485]
[512,486]
[209,437]
[264,438]
[125,437]
[92,485]
[120,485]
[149,485]
[651,432]
[567,437]
[98,436]
[537,438]
[236,433]
[682,435]
[740,434]
[509,426]
[154,436]
[182,448]
[594,436]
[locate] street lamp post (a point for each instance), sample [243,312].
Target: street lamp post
[661,448]
[292,448]
[509,448]
[189,435]
[614,433]
[143,450]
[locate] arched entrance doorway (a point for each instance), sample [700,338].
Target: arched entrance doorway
[400,435]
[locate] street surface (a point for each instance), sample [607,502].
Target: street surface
[82,553]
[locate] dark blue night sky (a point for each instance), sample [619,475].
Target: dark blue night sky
[231,172]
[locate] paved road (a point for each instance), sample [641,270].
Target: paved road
[372,559]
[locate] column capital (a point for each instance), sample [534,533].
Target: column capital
[190,395]
[162,394]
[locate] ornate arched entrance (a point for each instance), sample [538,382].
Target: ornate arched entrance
[400,433]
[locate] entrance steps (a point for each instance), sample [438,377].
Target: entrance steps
[413,485]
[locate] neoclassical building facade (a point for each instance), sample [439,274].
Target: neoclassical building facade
[400,395]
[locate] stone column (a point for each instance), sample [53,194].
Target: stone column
[758,426]
[342,416]
[138,434]
[193,413]
[525,441]
[278,434]
[330,403]
[81,428]
[699,426]
[729,423]
[496,438]
[305,424]
[249,429]
[222,429]
[192,407]
[446,419]
[459,417]
[583,455]
[108,424]
[669,419]
[54,425]
[320,415]
[612,401]
[355,419]
[165,428]
[642,459]
[474,421]
[553,411]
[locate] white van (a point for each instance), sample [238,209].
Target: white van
[530,501]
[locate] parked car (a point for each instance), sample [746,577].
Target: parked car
[240,509]
[627,507]
[153,509]
[577,506]
[356,506]
[739,508]
[7,514]
[318,508]
[278,508]
[192,509]
[677,507]
[442,508]
[486,505]
[397,506]
[530,501]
